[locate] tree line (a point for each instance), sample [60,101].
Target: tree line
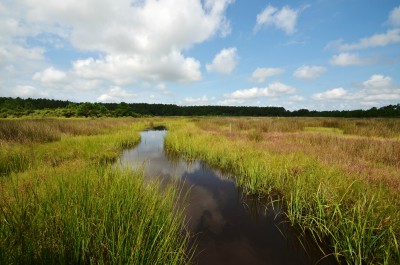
[18,107]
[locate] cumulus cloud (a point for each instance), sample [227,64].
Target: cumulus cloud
[378,88]
[378,81]
[394,17]
[134,26]
[332,94]
[124,69]
[309,72]
[10,53]
[115,94]
[284,19]
[261,74]
[224,62]
[275,89]
[200,100]
[136,40]
[26,91]
[50,75]
[347,59]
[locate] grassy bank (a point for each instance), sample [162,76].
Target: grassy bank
[62,203]
[337,178]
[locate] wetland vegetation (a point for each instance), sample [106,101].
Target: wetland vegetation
[61,201]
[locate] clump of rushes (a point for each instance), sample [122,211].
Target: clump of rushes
[92,216]
[349,217]
[70,206]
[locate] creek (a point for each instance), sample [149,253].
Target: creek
[228,226]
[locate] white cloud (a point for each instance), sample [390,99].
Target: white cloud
[115,94]
[332,94]
[392,36]
[378,81]
[261,74]
[124,69]
[12,53]
[139,40]
[162,86]
[50,75]
[378,88]
[284,18]
[123,26]
[25,91]
[394,17]
[297,98]
[229,102]
[224,62]
[347,59]
[200,100]
[247,93]
[275,89]
[309,72]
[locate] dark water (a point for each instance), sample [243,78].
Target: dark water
[229,228]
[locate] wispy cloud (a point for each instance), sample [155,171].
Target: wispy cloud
[348,59]
[200,100]
[284,19]
[309,72]
[394,17]
[261,74]
[391,36]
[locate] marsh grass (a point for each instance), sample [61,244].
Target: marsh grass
[352,215]
[92,217]
[386,128]
[332,130]
[70,206]
[20,141]
[27,131]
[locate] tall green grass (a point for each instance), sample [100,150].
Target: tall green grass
[347,217]
[69,205]
[92,216]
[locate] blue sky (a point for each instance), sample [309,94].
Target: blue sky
[317,54]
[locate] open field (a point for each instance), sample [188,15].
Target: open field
[337,179]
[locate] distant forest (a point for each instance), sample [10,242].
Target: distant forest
[18,107]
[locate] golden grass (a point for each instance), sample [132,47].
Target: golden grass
[369,153]
[342,189]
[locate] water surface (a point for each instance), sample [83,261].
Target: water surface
[229,228]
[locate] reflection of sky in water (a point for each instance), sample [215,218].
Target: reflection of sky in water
[218,213]
[150,155]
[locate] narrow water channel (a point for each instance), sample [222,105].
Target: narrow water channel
[229,228]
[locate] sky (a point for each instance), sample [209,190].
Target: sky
[315,54]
